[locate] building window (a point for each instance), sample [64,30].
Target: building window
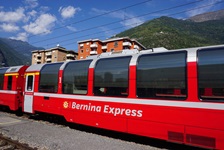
[162,75]
[75,77]
[49,78]
[81,50]
[115,43]
[111,77]
[87,49]
[112,50]
[211,74]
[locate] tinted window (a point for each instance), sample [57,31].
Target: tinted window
[111,76]
[30,83]
[211,74]
[9,84]
[2,72]
[162,75]
[49,78]
[75,77]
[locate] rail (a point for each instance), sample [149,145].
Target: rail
[9,144]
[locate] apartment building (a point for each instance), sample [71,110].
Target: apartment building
[96,46]
[56,54]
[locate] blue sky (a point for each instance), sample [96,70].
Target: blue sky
[46,23]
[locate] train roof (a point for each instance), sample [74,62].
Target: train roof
[13,69]
[134,52]
[38,67]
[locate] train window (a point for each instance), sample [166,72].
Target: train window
[111,77]
[162,75]
[9,84]
[2,72]
[49,78]
[75,77]
[211,74]
[1,81]
[29,83]
[13,69]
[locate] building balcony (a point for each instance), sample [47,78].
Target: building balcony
[93,52]
[104,47]
[81,45]
[48,53]
[38,60]
[48,59]
[38,55]
[94,45]
[70,55]
[126,44]
[69,59]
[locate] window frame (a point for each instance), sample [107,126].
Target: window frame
[185,77]
[63,92]
[39,84]
[199,94]
[27,83]
[2,73]
[10,81]
[128,72]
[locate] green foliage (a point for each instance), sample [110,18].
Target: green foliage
[174,33]
[9,57]
[15,52]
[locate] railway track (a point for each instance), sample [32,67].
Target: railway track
[9,144]
[58,121]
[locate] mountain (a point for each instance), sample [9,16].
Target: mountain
[200,30]
[15,52]
[215,15]
[175,33]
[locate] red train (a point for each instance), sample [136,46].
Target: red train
[175,95]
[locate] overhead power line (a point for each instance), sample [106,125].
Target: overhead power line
[97,33]
[107,24]
[103,14]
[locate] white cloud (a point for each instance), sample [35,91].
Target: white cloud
[31,3]
[129,20]
[32,13]
[42,25]
[21,36]
[12,16]
[9,27]
[71,28]
[197,10]
[108,32]
[68,12]
[44,9]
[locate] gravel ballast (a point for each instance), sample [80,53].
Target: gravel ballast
[44,136]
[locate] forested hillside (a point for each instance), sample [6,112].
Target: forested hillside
[174,33]
[15,52]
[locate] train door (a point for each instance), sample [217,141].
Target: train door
[29,90]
